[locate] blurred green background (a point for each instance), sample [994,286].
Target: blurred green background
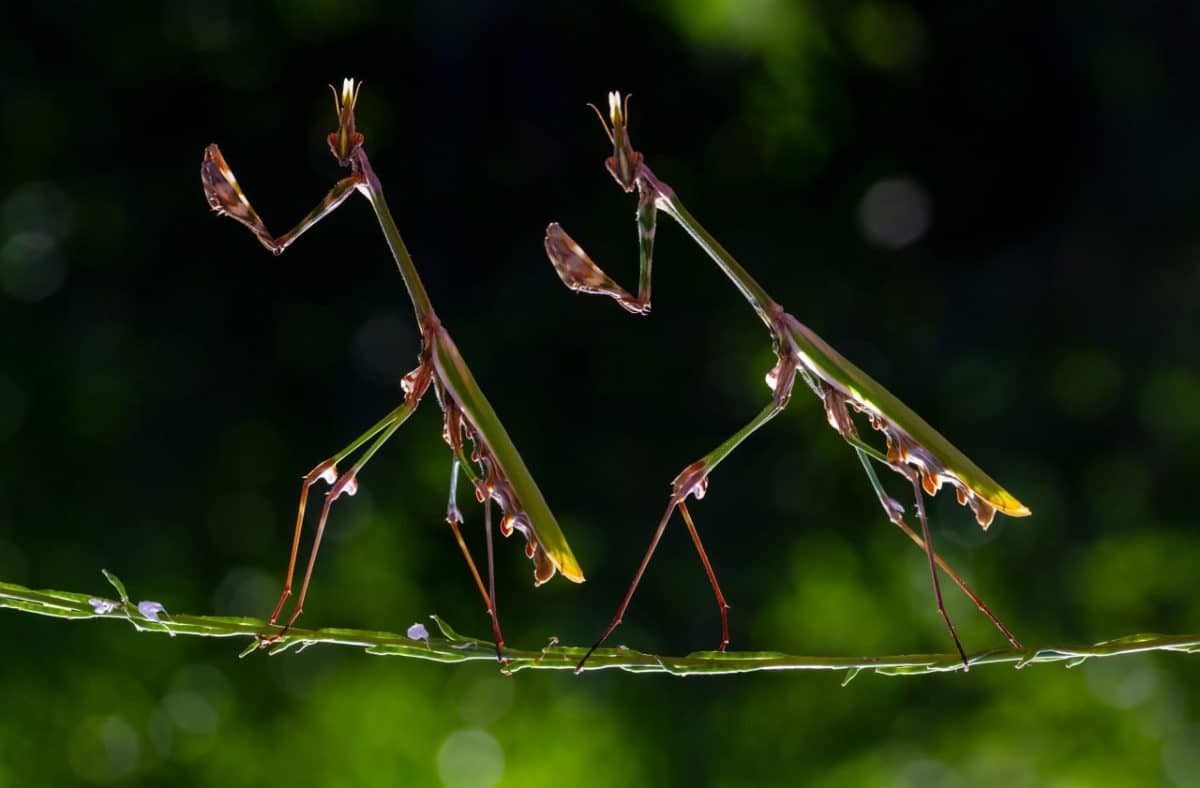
[992,208]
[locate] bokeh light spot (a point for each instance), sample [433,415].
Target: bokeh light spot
[486,699]
[38,207]
[894,212]
[470,758]
[754,25]
[191,712]
[104,750]
[31,268]
[1181,756]
[925,772]
[158,731]
[886,35]
[1123,684]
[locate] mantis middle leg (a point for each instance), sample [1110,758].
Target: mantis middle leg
[327,471]
[346,483]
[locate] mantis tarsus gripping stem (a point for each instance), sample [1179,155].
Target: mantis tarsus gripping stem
[914,449]
[502,472]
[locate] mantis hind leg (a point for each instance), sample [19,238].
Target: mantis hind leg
[895,511]
[637,578]
[937,588]
[487,529]
[693,480]
[454,518]
[712,576]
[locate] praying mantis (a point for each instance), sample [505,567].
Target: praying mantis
[914,449]
[502,475]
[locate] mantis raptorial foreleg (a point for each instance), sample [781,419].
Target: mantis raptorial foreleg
[218,179]
[914,449]
[580,274]
[503,476]
[573,265]
[336,196]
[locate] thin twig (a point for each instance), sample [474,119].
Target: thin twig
[454,647]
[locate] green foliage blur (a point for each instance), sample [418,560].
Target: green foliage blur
[990,208]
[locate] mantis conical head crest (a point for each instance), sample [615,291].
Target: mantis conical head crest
[344,141]
[624,162]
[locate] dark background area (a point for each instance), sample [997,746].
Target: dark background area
[991,208]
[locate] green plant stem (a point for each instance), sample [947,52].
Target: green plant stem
[450,646]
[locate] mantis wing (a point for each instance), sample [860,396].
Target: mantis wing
[525,508]
[910,438]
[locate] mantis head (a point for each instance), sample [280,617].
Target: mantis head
[344,141]
[624,162]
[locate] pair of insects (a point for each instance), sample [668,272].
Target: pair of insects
[494,467]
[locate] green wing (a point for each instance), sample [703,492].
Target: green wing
[457,378]
[837,371]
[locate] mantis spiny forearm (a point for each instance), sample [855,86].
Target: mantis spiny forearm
[502,475]
[914,449]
